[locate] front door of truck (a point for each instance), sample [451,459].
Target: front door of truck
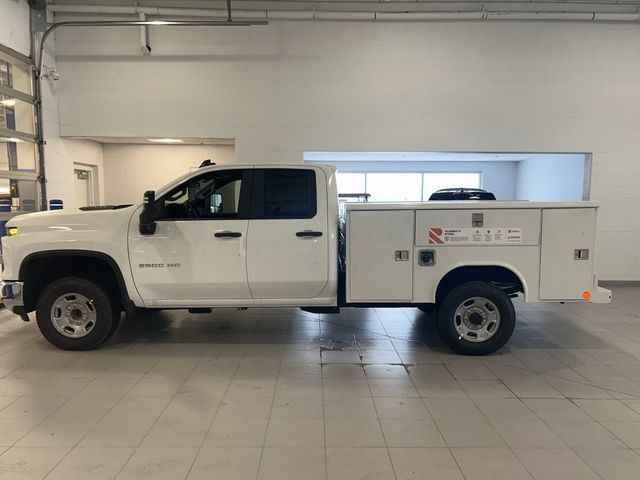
[287,245]
[198,251]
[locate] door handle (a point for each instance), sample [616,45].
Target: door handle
[227,234]
[308,234]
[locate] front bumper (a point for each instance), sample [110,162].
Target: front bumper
[11,294]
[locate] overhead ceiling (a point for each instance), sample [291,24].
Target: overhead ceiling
[612,10]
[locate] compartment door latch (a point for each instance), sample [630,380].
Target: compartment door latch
[477,219]
[402,255]
[581,254]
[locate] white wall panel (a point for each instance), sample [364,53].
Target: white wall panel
[130,170]
[14,25]
[289,87]
[560,178]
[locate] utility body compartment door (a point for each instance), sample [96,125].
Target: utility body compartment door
[380,256]
[565,231]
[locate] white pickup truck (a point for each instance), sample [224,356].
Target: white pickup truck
[272,236]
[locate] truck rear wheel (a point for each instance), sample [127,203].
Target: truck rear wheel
[75,314]
[476,318]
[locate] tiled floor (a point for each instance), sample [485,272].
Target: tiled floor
[368,394]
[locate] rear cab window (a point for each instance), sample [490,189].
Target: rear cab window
[285,193]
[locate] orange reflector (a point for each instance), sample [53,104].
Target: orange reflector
[586,294]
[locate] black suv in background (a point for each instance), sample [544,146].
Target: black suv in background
[462,194]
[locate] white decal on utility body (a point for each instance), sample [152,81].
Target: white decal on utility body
[474,236]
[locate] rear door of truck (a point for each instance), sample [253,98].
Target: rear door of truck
[287,241]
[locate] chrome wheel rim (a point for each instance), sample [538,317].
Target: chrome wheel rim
[476,319]
[73,315]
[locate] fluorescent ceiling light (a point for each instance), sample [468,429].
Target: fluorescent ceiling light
[166,140]
[8,103]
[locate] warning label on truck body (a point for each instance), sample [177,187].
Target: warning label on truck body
[475,236]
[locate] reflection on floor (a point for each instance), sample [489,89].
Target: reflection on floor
[369,393]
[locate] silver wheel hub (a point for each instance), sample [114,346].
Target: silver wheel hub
[73,315]
[476,319]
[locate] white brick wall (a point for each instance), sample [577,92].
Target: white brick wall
[14,32]
[290,87]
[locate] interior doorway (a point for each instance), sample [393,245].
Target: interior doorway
[86,185]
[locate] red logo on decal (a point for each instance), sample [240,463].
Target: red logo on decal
[435,235]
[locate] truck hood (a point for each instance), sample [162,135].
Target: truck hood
[70,220]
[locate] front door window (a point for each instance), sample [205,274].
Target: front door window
[209,196]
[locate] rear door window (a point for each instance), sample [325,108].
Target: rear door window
[285,193]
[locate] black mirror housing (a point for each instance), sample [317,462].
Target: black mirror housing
[148,214]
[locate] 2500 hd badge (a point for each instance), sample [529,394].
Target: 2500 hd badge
[158,265]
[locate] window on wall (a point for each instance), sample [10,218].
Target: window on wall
[351,182]
[18,149]
[405,186]
[394,187]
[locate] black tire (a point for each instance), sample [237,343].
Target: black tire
[115,323]
[102,305]
[447,320]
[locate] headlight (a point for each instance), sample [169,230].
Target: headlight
[11,231]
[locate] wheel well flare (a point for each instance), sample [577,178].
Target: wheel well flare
[39,270]
[503,277]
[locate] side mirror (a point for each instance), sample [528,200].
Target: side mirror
[148,214]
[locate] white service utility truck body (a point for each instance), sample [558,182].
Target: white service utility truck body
[272,235]
[548,246]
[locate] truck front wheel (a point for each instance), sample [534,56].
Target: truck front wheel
[75,314]
[476,318]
